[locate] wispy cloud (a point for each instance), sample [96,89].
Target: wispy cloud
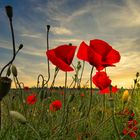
[61,31]
[116,22]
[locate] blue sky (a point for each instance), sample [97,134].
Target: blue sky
[115,21]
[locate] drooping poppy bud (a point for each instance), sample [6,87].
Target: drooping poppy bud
[9,11]
[18,116]
[5,85]
[14,70]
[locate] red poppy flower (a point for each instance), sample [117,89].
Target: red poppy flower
[55,105]
[31,99]
[87,54]
[107,90]
[82,94]
[125,131]
[132,134]
[101,80]
[99,54]
[132,124]
[62,56]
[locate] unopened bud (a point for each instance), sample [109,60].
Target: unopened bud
[18,116]
[48,27]
[9,11]
[79,65]
[135,81]
[137,74]
[14,70]
[71,97]
[125,96]
[20,46]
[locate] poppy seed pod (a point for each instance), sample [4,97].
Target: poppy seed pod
[48,27]
[9,11]
[5,85]
[14,70]
[19,117]
[20,46]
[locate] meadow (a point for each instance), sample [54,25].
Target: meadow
[74,111]
[75,124]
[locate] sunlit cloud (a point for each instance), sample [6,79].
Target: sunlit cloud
[61,31]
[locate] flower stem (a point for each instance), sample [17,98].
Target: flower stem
[90,92]
[113,116]
[64,97]
[14,50]
[82,73]
[48,63]
[34,130]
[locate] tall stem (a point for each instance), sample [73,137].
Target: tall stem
[48,63]
[10,62]
[113,116]
[64,97]
[82,73]
[90,102]
[14,50]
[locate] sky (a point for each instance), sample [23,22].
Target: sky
[114,21]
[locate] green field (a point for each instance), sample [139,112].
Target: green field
[76,122]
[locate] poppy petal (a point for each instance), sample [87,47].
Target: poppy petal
[100,47]
[57,61]
[87,54]
[101,80]
[113,57]
[65,52]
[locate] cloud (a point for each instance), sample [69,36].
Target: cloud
[117,22]
[31,35]
[61,31]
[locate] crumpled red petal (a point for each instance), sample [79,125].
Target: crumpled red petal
[62,57]
[100,47]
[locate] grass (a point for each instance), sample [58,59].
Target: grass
[75,124]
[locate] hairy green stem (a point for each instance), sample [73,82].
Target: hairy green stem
[90,102]
[34,130]
[113,116]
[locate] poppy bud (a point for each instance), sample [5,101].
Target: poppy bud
[20,46]
[137,74]
[70,44]
[14,70]
[71,97]
[79,65]
[9,11]
[125,96]
[8,71]
[135,81]
[19,117]
[5,85]
[48,27]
